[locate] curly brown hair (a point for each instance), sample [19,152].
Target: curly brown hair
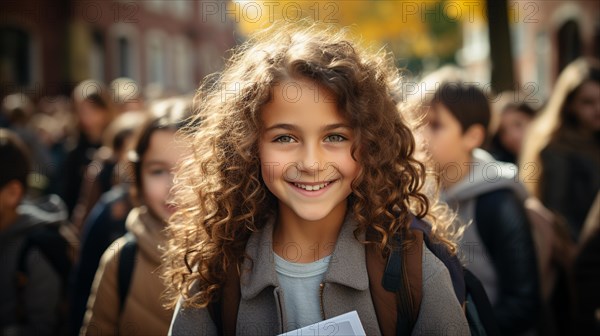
[219,189]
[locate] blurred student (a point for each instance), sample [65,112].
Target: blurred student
[497,246]
[586,275]
[33,253]
[107,197]
[126,294]
[94,113]
[20,111]
[104,171]
[507,140]
[54,125]
[561,165]
[561,156]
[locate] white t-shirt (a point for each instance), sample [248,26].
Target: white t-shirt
[300,283]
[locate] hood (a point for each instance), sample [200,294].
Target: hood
[49,210]
[486,175]
[148,231]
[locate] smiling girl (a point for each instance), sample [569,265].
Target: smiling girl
[302,151]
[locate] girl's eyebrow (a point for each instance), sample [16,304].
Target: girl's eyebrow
[291,127]
[154,162]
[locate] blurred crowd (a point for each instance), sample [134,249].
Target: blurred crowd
[84,183]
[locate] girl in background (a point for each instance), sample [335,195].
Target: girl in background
[560,163]
[507,140]
[108,210]
[139,311]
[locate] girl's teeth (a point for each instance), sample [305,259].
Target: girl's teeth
[311,187]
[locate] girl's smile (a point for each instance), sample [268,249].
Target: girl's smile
[312,189]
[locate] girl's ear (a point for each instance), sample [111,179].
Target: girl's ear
[475,136]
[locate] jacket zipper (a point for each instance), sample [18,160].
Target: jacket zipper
[321,287]
[280,308]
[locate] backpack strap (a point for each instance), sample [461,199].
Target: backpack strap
[441,252]
[479,312]
[396,285]
[126,265]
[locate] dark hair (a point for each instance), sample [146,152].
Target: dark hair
[467,103]
[555,126]
[521,107]
[568,117]
[495,146]
[170,118]
[93,92]
[120,129]
[14,157]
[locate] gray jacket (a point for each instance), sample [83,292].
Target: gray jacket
[346,288]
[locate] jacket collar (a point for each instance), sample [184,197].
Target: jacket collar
[148,231]
[347,265]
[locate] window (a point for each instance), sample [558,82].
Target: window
[97,56]
[124,50]
[125,55]
[569,43]
[15,57]
[181,8]
[156,58]
[184,66]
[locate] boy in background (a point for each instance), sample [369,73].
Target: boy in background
[32,255]
[497,246]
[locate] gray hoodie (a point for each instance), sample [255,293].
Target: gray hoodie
[40,295]
[485,175]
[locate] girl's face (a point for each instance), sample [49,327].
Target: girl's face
[586,105]
[157,172]
[513,126]
[305,150]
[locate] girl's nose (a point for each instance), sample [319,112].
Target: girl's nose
[312,159]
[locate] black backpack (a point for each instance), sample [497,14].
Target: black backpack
[126,266]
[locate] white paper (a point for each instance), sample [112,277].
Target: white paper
[343,325]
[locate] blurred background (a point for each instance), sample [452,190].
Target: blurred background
[169,46]
[82,82]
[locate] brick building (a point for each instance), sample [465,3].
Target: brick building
[166,46]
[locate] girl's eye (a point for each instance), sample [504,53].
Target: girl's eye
[158,172]
[284,138]
[435,125]
[588,102]
[335,138]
